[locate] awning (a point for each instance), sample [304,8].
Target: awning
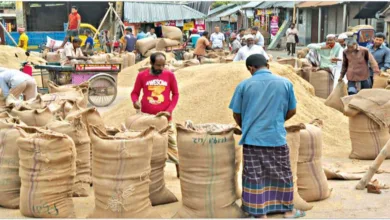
[265,5]
[220,9]
[224,14]
[370,10]
[318,3]
[277,4]
[251,5]
[2,15]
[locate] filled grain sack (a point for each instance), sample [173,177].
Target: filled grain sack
[146,44]
[173,33]
[142,121]
[380,81]
[159,194]
[306,69]
[84,87]
[212,55]
[99,58]
[210,61]
[150,52]
[9,163]
[121,169]
[77,95]
[164,43]
[302,53]
[293,142]
[207,171]
[322,82]
[367,137]
[191,62]
[188,55]
[350,112]
[291,61]
[312,182]
[47,171]
[52,57]
[77,131]
[33,117]
[334,99]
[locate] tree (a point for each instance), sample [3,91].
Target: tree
[219,3]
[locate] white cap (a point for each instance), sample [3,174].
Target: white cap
[342,36]
[330,36]
[248,36]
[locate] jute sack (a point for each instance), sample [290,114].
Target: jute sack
[84,87]
[149,52]
[101,58]
[350,112]
[9,166]
[207,171]
[367,137]
[77,131]
[188,55]
[322,82]
[191,62]
[130,59]
[212,55]
[380,81]
[146,44]
[159,194]
[121,169]
[312,182]
[293,142]
[173,33]
[75,95]
[209,61]
[31,117]
[53,57]
[334,100]
[294,62]
[47,170]
[164,43]
[306,69]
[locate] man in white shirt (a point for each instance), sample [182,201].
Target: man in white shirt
[217,39]
[73,54]
[236,44]
[152,33]
[249,49]
[259,38]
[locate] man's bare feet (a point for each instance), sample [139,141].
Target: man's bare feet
[295,213]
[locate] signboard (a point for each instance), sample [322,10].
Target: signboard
[199,24]
[188,26]
[274,25]
[249,13]
[170,23]
[98,67]
[179,23]
[269,11]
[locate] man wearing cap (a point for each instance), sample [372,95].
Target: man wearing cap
[261,105]
[23,39]
[74,21]
[129,41]
[341,40]
[236,44]
[193,37]
[250,48]
[328,53]
[356,62]
[73,54]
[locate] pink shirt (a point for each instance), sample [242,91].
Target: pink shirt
[156,92]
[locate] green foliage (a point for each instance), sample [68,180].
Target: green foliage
[219,3]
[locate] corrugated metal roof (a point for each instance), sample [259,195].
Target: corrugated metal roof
[253,4]
[147,12]
[286,4]
[318,3]
[265,5]
[220,8]
[223,14]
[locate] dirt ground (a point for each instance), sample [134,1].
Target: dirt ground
[345,201]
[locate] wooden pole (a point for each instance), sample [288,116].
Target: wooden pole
[374,167]
[5,30]
[101,23]
[294,15]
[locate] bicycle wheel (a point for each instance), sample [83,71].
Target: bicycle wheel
[102,91]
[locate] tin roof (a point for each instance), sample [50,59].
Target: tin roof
[220,9]
[224,14]
[310,4]
[148,12]
[253,4]
[276,4]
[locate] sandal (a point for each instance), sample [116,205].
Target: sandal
[297,214]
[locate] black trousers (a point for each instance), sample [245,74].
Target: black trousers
[292,49]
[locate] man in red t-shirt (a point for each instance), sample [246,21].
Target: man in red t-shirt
[74,21]
[157,85]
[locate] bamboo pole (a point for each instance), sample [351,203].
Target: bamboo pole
[101,23]
[294,15]
[374,167]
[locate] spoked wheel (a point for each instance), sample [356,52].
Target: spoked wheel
[102,91]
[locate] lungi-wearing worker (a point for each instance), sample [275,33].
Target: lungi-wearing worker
[261,105]
[16,83]
[157,85]
[73,54]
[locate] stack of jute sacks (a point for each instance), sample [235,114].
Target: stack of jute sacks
[172,36]
[310,182]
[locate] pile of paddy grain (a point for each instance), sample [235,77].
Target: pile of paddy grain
[206,91]
[12,57]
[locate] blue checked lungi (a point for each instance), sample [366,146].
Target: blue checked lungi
[267,182]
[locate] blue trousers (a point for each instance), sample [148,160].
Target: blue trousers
[352,88]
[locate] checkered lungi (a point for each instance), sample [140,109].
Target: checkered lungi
[267,183]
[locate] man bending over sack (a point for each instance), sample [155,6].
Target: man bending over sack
[355,66]
[157,85]
[16,83]
[73,54]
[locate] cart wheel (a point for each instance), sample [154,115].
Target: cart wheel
[102,91]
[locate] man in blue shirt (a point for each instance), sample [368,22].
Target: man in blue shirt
[129,41]
[381,54]
[88,44]
[261,105]
[141,35]
[194,37]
